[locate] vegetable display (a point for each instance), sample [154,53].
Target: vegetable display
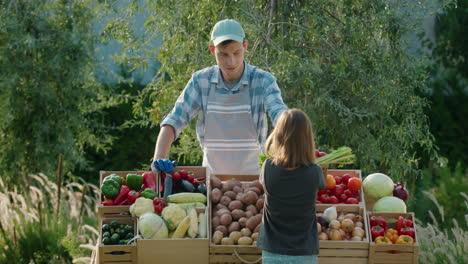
[340,189]
[346,226]
[401,231]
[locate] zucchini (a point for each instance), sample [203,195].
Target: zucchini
[185,197]
[167,186]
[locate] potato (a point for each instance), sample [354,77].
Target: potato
[215,221]
[233,205]
[257,229]
[216,195]
[253,222]
[249,214]
[244,241]
[215,182]
[243,221]
[229,185]
[235,236]
[250,197]
[220,206]
[237,214]
[257,184]
[255,189]
[230,194]
[225,200]
[222,229]
[237,189]
[225,219]
[217,236]
[222,211]
[246,232]
[252,208]
[259,204]
[254,236]
[240,196]
[227,241]
[234,226]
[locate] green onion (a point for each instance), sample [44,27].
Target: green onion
[341,155]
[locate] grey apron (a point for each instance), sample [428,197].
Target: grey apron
[231,141]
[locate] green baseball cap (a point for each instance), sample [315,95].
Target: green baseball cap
[227,29]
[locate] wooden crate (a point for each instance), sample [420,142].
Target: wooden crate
[114,210]
[234,253]
[118,254]
[353,173]
[179,250]
[388,254]
[352,252]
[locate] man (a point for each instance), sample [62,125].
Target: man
[231,100]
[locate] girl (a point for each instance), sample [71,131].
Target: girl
[290,178]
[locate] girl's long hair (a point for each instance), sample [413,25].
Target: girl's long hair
[291,144]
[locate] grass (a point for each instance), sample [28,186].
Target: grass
[440,243]
[31,229]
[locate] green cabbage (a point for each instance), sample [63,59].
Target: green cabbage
[377,185]
[152,226]
[390,204]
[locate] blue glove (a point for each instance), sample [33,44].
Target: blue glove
[163,165]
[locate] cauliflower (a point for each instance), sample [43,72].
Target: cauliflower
[173,215]
[141,206]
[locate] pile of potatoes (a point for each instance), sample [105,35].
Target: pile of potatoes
[237,209]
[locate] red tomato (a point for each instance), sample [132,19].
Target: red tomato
[333,200]
[320,192]
[324,198]
[354,184]
[348,193]
[345,178]
[352,201]
[343,198]
[176,176]
[338,190]
[338,179]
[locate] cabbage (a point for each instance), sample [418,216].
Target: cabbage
[390,204]
[377,185]
[152,226]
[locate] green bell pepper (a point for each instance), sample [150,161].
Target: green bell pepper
[149,193]
[114,177]
[110,188]
[134,181]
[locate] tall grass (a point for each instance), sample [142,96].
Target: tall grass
[31,231]
[441,243]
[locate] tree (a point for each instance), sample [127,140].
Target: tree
[50,102]
[343,62]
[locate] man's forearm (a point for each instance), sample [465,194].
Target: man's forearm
[164,142]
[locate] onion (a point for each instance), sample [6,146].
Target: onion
[347,225]
[319,228]
[358,232]
[356,238]
[359,224]
[335,235]
[334,224]
[400,192]
[323,236]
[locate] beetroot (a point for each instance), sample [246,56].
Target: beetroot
[400,192]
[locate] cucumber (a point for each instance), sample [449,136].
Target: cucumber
[167,186]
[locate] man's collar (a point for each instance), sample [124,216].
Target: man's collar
[244,79]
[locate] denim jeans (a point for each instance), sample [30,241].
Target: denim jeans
[272,258]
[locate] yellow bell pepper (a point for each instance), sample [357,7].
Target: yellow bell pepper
[391,234]
[382,240]
[405,239]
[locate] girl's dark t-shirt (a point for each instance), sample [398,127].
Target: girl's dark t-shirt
[289,225]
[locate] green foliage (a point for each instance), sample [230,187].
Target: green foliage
[447,185]
[343,62]
[50,102]
[449,82]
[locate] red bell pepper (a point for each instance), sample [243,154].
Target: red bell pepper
[400,222]
[149,180]
[183,174]
[409,231]
[124,202]
[408,223]
[132,196]
[176,176]
[124,190]
[378,221]
[108,202]
[377,231]
[158,209]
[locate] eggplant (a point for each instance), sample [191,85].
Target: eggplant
[188,186]
[323,220]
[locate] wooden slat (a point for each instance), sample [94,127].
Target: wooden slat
[129,251]
[231,258]
[344,252]
[331,260]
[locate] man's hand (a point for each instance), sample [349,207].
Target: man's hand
[163,165]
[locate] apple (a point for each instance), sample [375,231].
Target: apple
[345,178]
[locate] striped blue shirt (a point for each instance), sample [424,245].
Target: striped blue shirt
[265,98]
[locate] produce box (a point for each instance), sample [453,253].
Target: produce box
[393,253]
[117,253]
[345,251]
[326,200]
[234,253]
[178,250]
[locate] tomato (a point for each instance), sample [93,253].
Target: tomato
[333,200]
[345,178]
[338,179]
[331,183]
[338,190]
[348,193]
[352,201]
[354,184]
[324,198]
[343,198]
